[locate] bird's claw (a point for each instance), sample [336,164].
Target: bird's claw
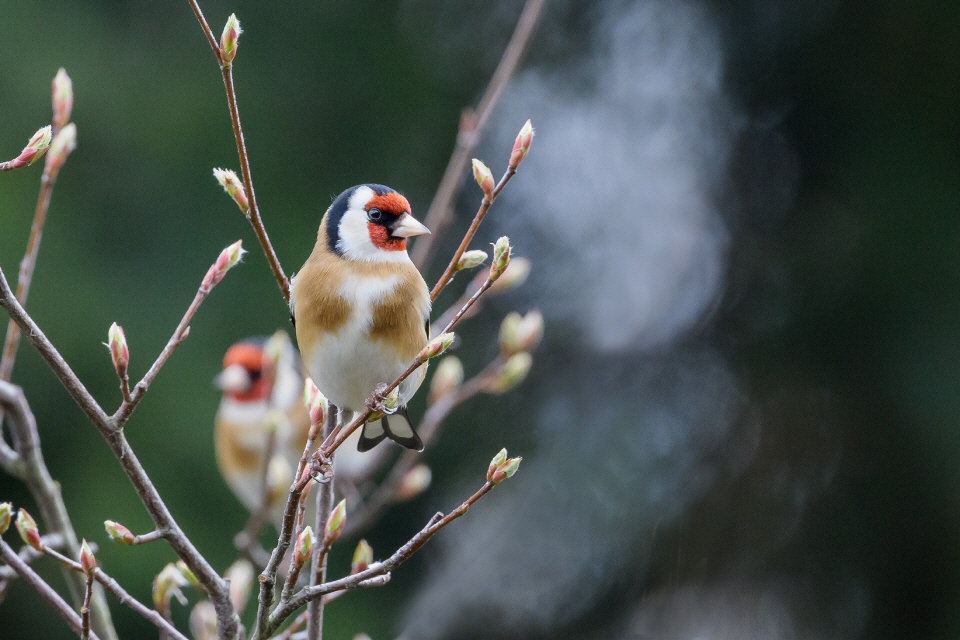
[379,402]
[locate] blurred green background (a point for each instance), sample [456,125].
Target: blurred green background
[861,261]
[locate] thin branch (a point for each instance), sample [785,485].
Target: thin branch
[46,493]
[318,563]
[85,611]
[28,575]
[378,570]
[111,585]
[253,213]
[213,584]
[28,554]
[471,231]
[472,125]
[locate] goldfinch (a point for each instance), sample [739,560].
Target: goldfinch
[262,388]
[255,386]
[361,309]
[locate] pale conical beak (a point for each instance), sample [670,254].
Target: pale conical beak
[234,378]
[408,226]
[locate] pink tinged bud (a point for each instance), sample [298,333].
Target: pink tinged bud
[118,532]
[304,548]
[505,470]
[471,260]
[62,99]
[515,275]
[498,460]
[228,41]
[481,173]
[414,482]
[6,516]
[36,147]
[61,147]
[234,188]
[187,574]
[316,402]
[119,353]
[240,575]
[522,145]
[448,377]
[336,522]
[166,586]
[438,345]
[501,257]
[511,374]
[87,560]
[362,557]
[27,528]
[227,259]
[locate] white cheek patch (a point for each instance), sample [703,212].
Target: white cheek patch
[354,242]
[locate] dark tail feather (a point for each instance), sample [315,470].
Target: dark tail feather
[397,427]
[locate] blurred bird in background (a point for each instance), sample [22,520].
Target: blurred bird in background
[362,309]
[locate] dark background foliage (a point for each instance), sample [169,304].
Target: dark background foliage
[765,445]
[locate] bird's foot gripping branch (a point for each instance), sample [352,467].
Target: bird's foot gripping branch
[377,222]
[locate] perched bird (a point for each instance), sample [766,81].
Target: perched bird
[361,309]
[262,380]
[262,384]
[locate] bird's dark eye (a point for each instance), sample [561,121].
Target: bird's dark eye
[255,375]
[375,215]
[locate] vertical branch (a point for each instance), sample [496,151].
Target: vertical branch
[318,563]
[471,127]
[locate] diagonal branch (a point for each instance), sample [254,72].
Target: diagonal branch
[472,125]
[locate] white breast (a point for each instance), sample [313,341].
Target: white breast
[347,365]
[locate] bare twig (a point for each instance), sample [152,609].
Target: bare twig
[472,125]
[85,611]
[216,588]
[375,572]
[32,470]
[28,575]
[253,213]
[121,594]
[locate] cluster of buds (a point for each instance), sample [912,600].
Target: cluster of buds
[27,528]
[413,483]
[501,257]
[512,373]
[521,147]
[36,147]
[167,585]
[62,99]
[317,404]
[484,178]
[227,259]
[119,352]
[470,259]
[335,523]
[228,40]
[240,575]
[6,516]
[63,144]
[448,377]
[520,333]
[234,188]
[88,562]
[437,346]
[362,557]
[119,533]
[502,467]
